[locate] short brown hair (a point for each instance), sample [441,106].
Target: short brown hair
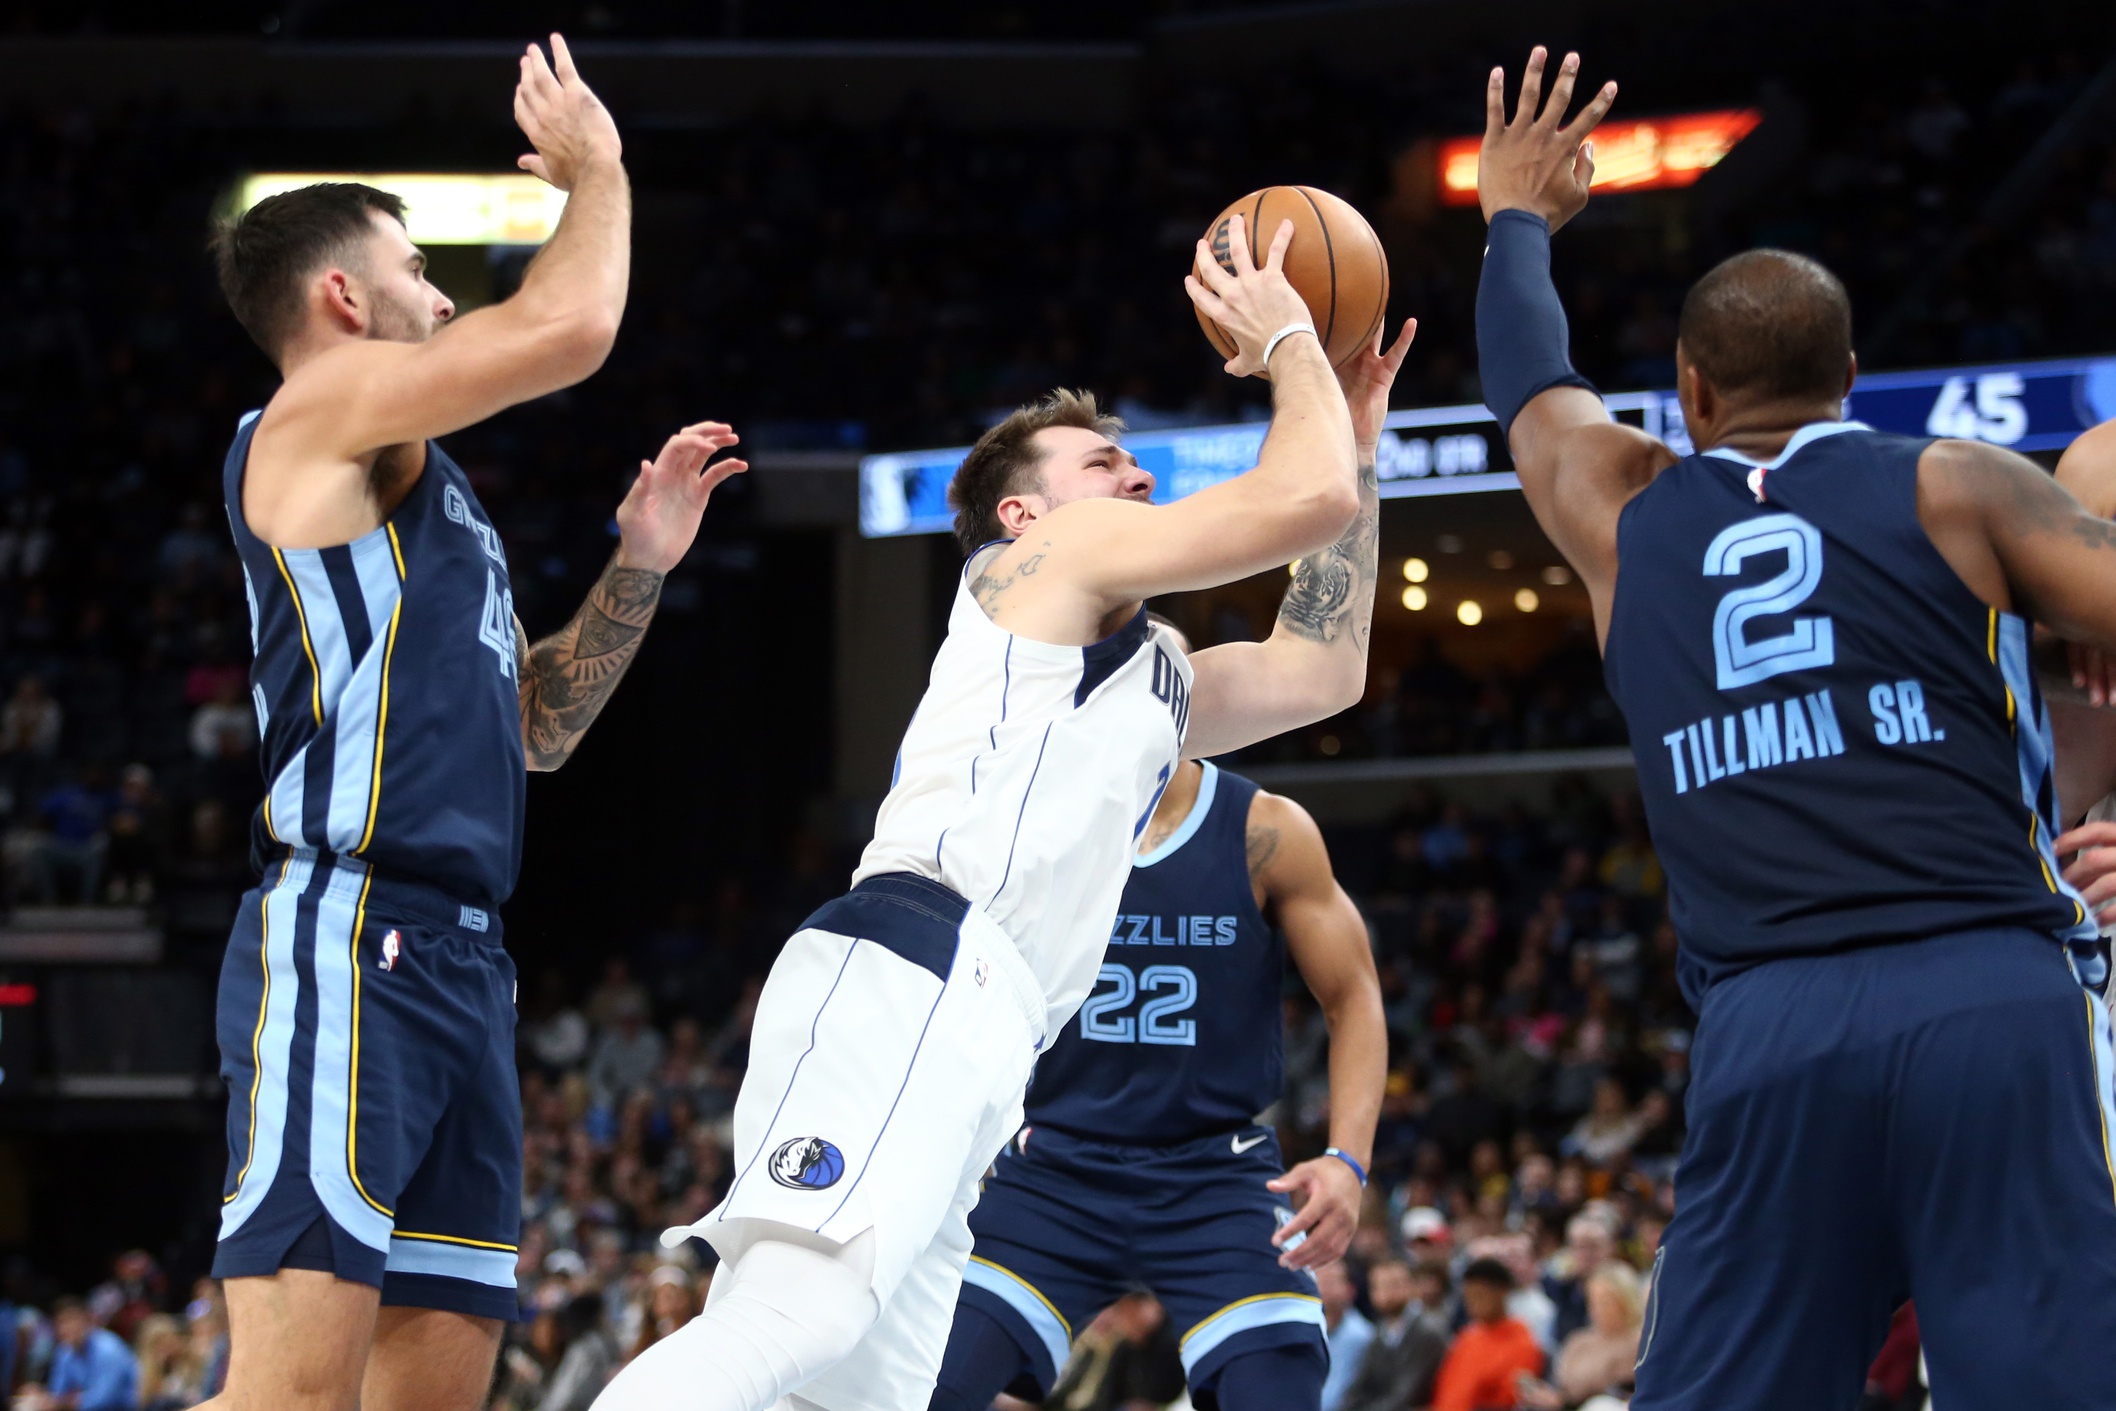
[1004,457]
[266,253]
[1769,323]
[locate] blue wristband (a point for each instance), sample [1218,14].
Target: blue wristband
[1357,1169]
[1522,335]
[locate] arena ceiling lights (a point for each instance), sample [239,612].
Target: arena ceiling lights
[1647,154]
[443,208]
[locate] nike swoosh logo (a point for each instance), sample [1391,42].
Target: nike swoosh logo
[1241,1146]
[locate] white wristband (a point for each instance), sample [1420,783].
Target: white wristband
[1287,332]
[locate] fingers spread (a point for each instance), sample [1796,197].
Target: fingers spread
[1591,116]
[1213,305]
[1401,348]
[1238,245]
[1211,273]
[1276,259]
[1495,104]
[564,56]
[1560,93]
[1531,100]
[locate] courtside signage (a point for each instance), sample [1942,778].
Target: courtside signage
[1458,450]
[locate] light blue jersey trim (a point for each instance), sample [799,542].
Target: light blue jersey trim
[268,1122]
[2031,739]
[1016,1292]
[331,1095]
[1251,1313]
[359,710]
[1807,435]
[1192,821]
[491,1267]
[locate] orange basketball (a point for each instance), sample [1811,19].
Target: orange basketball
[1335,263]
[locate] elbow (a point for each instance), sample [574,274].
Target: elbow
[582,341]
[1345,692]
[1324,515]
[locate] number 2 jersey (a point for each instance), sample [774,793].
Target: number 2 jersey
[1026,776]
[384,682]
[1838,743]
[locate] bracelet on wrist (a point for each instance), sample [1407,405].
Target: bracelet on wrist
[1282,335]
[1357,1169]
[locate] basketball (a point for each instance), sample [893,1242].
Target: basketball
[1335,263]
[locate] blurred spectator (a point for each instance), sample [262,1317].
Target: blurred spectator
[30,721]
[1347,1329]
[1600,1357]
[1590,1243]
[225,727]
[170,1375]
[588,1358]
[1126,1358]
[72,846]
[1407,1347]
[627,1053]
[138,834]
[91,1368]
[671,1303]
[1493,1356]
[616,994]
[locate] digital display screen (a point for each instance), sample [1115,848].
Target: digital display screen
[1458,450]
[1644,154]
[439,209]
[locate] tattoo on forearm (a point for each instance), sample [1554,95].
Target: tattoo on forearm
[568,677]
[986,587]
[1332,595]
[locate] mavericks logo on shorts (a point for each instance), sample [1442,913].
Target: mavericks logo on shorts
[807,1164]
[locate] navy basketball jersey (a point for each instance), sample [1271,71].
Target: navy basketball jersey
[384,680]
[1838,743]
[1181,1036]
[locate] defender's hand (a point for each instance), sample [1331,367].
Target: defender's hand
[1253,302]
[1532,163]
[562,118]
[1328,1214]
[2094,672]
[1367,377]
[2093,872]
[659,518]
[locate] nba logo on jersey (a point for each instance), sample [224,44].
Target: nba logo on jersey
[392,947]
[807,1164]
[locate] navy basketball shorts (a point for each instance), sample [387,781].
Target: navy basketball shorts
[1066,1226]
[1927,1121]
[366,1032]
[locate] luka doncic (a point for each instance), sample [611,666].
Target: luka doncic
[1141,1162]
[366,1015]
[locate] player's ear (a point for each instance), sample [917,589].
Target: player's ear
[1851,372]
[345,306]
[1017,512]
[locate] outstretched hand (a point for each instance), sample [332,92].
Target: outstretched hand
[561,117]
[659,518]
[1251,302]
[1366,378]
[1538,162]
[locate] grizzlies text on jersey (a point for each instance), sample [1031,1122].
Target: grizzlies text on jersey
[1181,1037]
[1838,744]
[384,682]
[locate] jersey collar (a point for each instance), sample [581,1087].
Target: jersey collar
[1192,821]
[1805,436]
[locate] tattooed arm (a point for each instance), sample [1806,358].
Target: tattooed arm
[566,678]
[1314,664]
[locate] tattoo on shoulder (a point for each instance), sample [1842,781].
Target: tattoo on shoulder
[987,587]
[1262,846]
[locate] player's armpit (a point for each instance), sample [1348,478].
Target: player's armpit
[1578,470]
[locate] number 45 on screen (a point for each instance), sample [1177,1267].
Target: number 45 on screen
[1994,413]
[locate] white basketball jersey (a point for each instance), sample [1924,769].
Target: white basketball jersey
[1026,777]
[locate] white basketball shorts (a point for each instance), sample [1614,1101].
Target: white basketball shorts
[893,1044]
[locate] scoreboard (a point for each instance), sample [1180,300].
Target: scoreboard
[2037,406]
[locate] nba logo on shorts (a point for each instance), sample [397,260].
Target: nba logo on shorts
[984,968]
[392,947]
[807,1164]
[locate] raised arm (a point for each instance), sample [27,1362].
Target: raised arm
[1577,467]
[1327,939]
[567,678]
[1314,663]
[555,331]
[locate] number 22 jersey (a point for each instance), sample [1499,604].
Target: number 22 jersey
[1838,743]
[384,683]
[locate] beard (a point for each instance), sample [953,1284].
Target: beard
[396,322]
